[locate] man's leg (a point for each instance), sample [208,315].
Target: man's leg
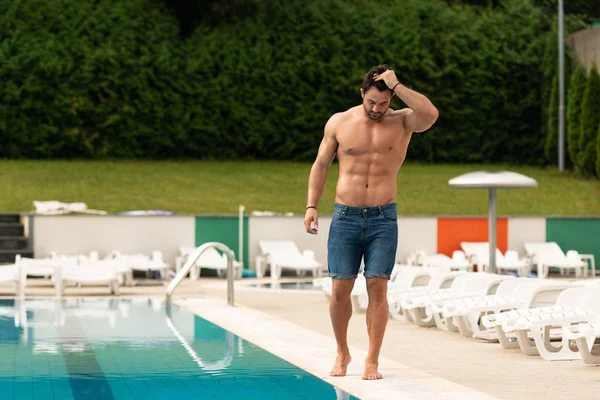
[377,317]
[340,310]
[344,254]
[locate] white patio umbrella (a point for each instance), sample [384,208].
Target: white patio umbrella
[492,180]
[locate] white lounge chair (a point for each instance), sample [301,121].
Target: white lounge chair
[479,254]
[548,255]
[91,272]
[284,254]
[585,334]
[439,281]
[211,258]
[12,273]
[567,300]
[40,267]
[511,294]
[458,261]
[402,277]
[586,308]
[473,285]
[142,262]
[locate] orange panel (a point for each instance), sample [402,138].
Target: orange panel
[452,231]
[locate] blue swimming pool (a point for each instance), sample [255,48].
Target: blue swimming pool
[136,349]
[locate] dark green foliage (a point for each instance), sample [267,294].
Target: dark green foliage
[598,152]
[590,120]
[187,79]
[551,147]
[573,112]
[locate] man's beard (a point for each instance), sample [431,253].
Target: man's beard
[374,116]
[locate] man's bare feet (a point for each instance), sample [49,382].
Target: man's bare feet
[371,372]
[341,363]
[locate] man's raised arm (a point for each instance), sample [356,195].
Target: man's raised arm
[422,114]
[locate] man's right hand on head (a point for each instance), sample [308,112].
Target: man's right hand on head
[311,221]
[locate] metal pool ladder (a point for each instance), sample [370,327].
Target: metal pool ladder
[190,262]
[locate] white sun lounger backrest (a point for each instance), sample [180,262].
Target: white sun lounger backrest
[443,280]
[481,252]
[485,284]
[590,301]
[38,266]
[281,251]
[101,270]
[541,293]
[574,297]
[512,287]
[408,276]
[211,258]
[436,260]
[459,284]
[546,253]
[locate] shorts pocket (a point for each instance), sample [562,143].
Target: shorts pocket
[390,215]
[339,214]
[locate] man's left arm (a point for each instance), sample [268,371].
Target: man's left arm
[422,114]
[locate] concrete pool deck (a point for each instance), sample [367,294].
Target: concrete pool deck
[418,363]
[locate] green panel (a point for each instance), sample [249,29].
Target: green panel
[582,235]
[223,230]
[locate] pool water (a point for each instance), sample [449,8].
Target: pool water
[136,349]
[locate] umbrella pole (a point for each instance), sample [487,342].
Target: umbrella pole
[492,230]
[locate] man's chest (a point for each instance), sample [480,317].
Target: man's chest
[360,140]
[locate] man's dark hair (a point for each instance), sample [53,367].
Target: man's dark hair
[369,82]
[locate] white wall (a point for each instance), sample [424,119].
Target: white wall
[80,234]
[416,234]
[525,229]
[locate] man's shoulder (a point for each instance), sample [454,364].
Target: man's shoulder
[339,118]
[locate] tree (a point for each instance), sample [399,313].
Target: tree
[550,149]
[598,152]
[590,119]
[576,89]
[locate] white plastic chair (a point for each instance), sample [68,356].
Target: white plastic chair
[511,294]
[439,281]
[548,255]
[580,305]
[585,334]
[284,254]
[402,277]
[479,254]
[420,308]
[92,272]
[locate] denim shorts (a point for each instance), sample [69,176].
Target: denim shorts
[357,232]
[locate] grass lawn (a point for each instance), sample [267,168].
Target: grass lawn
[207,187]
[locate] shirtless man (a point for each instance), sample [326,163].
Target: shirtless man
[370,142]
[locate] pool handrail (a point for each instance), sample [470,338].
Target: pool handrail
[190,262]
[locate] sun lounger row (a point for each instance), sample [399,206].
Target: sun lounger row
[525,309]
[61,270]
[543,256]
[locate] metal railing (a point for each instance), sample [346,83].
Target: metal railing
[190,263]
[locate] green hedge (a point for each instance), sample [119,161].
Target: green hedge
[590,120]
[573,112]
[117,79]
[551,147]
